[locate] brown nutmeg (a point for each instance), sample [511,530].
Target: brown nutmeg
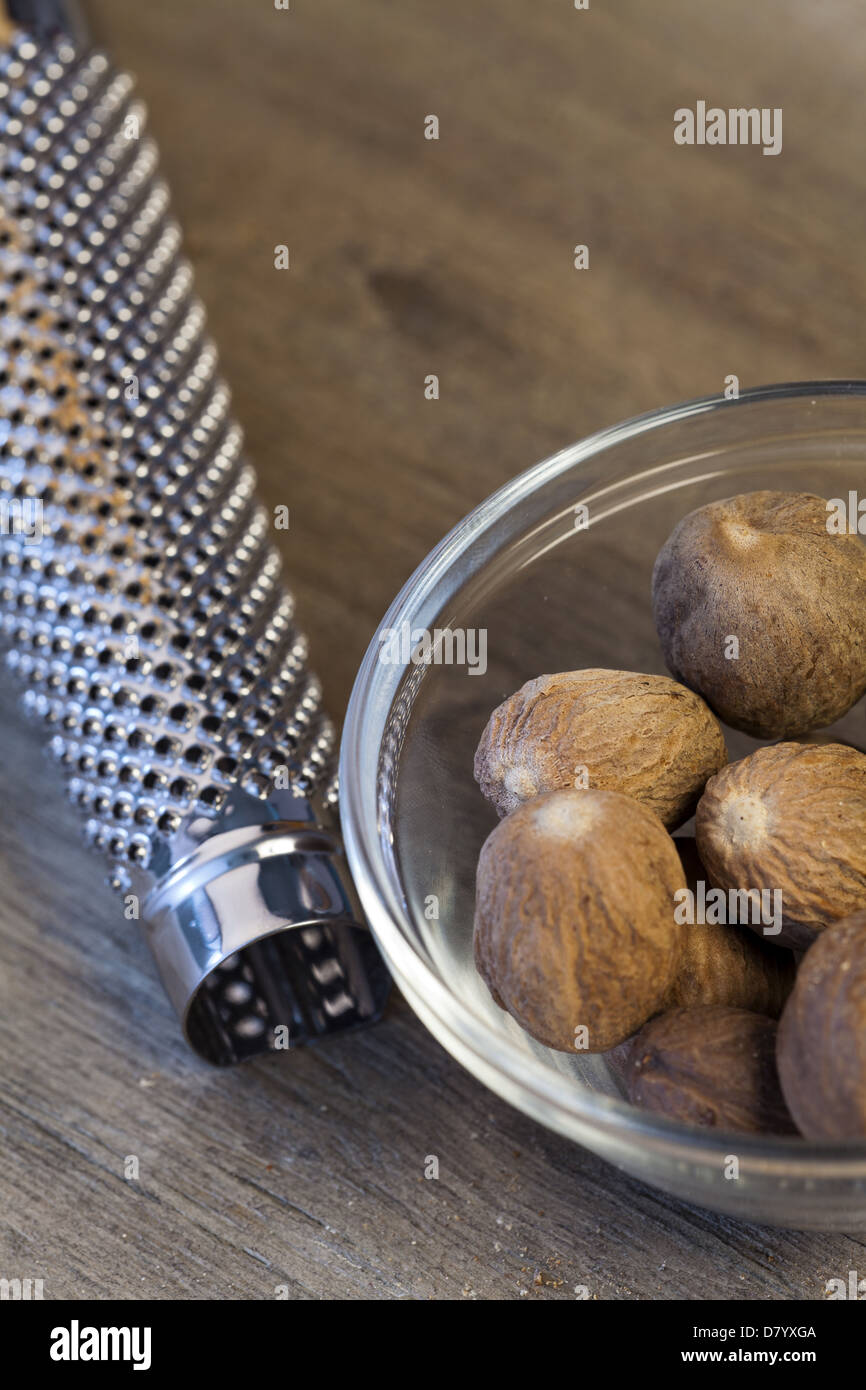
[574,927]
[710,1066]
[644,736]
[790,822]
[723,962]
[763,569]
[821,1047]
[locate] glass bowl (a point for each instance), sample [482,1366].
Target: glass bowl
[553,593]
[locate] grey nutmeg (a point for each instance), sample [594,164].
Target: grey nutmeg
[762,610]
[821,1047]
[711,1066]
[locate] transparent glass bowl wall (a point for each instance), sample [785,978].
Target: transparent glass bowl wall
[551,595]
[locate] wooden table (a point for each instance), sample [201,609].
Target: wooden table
[411,257]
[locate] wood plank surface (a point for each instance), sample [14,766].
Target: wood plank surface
[411,257]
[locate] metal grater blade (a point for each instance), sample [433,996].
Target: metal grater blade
[140,596]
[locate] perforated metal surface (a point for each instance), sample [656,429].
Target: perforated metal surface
[149,623]
[140,593]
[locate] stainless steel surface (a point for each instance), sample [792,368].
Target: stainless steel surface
[140,594]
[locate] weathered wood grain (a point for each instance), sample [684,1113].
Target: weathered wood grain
[407,258]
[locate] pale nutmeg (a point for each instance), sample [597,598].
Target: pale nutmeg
[791,820]
[821,1047]
[763,571]
[644,736]
[574,922]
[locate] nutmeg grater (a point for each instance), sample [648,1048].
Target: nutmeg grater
[141,602]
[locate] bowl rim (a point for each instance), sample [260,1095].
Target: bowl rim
[368,711]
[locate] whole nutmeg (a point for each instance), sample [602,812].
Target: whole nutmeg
[645,736]
[723,962]
[788,823]
[710,1066]
[763,611]
[574,928]
[821,1047]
